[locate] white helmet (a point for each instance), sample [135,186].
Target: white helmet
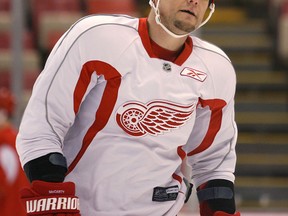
[158,19]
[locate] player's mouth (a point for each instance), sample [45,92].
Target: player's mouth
[189,12]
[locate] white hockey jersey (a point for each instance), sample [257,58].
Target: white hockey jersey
[126,119]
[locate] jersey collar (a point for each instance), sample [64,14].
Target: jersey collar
[143,32]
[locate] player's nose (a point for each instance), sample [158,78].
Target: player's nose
[193,1]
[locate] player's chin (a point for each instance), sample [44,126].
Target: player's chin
[184,27]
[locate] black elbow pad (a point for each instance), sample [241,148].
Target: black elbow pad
[51,168]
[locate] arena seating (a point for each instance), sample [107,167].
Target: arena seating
[52,26]
[30,60]
[53,17]
[111,6]
[261,99]
[261,102]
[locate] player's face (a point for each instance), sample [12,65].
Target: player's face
[182,16]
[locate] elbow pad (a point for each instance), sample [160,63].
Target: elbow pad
[51,168]
[216,195]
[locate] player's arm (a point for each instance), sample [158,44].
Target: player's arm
[213,164]
[213,161]
[46,121]
[48,117]
[214,136]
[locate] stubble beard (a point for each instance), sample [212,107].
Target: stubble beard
[178,26]
[187,28]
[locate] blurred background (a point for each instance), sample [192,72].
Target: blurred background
[253,33]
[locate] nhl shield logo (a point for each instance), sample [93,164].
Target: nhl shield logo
[167,67]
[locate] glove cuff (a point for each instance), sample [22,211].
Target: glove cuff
[45,198]
[51,204]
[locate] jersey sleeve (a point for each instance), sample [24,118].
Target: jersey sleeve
[81,60]
[55,99]
[215,131]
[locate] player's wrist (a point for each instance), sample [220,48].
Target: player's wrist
[216,198]
[50,168]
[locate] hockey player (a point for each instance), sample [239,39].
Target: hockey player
[12,177]
[120,104]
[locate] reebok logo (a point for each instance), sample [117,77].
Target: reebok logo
[195,74]
[50,204]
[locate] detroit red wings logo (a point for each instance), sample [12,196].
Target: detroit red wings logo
[154,118]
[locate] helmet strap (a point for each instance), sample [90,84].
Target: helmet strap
[212,10]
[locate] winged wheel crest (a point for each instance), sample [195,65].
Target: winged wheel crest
[154,118]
